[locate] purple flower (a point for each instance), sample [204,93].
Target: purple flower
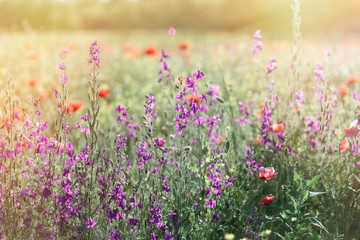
[271,66]
[211,203]
[46,193]
[198,74]
[94,50]
[319,71]
[27,222]
[257,44]
[133,221]
[216,217]
[90,223]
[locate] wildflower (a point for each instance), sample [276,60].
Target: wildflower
[43,94]
[198,74]
[211,203]
[257,44]
[353,130]
[277,127]
[344,145]
[271,66]
[61,66]
[267,200]
[73,106]
[266,173]
[94,50]
[171,31]
[159,142]
[319,71]
[150,51]
[64,78]
[343,89]
[103,92]
[183,46]
[351,79]
[193,98]
[90,223]
[32,82]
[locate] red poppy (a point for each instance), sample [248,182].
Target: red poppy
[18,116]
[351,79]
[193,98]
[261,105]
[159,142]
[183,46]
[32,82]
[73,106]
[353,130]
[150,51]
[343,89]
[277,127]
[103,92]
[267,200]
[267,173]
[32,55]
[344,145]
[44,94]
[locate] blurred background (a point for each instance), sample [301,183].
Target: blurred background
[272,16]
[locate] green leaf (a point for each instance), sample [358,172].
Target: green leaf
[313,181]
[227,146]
[192,217]
[296,177]
[316,222]
[305,196]
[313,194]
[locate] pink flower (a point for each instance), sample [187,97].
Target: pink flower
[267,173]
[172,31]
[90,223]
[271,66]
[257,44]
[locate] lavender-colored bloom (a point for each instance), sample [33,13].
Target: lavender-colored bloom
[172,31]
[198,74]
[300,99]
[257,44]
[211,203]
[216,217]
[153,236]
[319,71]
[90,223]
[94,50]
[62,66]
[133,221]
[271,66]
[46,193]
[64,78]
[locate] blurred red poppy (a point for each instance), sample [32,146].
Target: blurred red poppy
[183,46]
[267,200]
[103,92]
[32,82]
[343,89]
[150,51]
[193,98]
[277,127]
[73,106]
[344,145]
[351,79]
